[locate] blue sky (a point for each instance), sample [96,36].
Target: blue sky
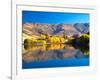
[54,17]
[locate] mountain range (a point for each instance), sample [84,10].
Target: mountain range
[55,29]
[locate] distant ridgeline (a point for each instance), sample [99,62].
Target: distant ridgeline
[39,34]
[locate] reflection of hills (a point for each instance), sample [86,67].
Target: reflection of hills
[41,53]
[68,29]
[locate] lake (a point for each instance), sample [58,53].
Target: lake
[54,55]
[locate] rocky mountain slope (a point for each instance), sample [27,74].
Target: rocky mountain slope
[55,29]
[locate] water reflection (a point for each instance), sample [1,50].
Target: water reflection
[53,52]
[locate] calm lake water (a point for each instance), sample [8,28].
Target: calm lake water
[54,55]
